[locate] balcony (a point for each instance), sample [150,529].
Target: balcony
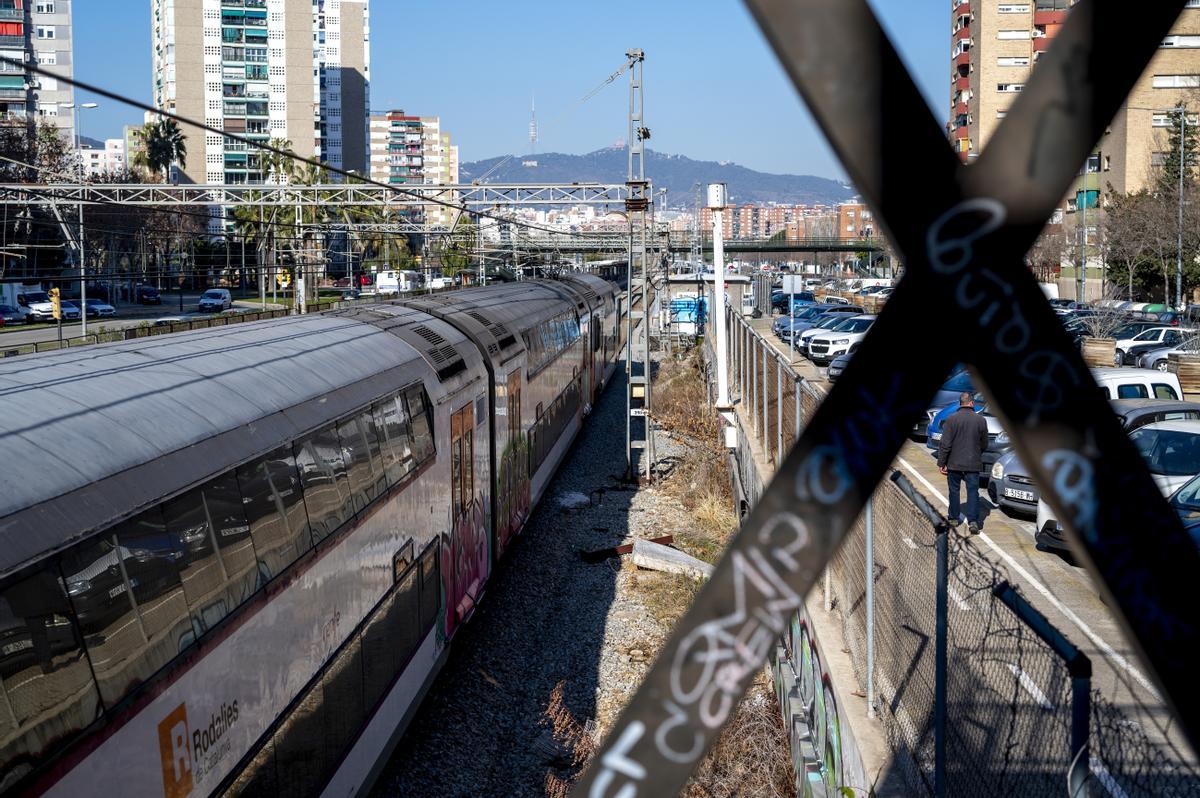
[1042,43]
[962,59]
[12,41]
[962,84]
[960,109]
[12,13]
[963,132]
[963,34]
[1049,17]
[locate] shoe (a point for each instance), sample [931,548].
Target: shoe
[974,527]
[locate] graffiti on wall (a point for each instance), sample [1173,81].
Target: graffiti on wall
[464,563]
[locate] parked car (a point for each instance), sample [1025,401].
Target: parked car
[215,300]
[1186,502]
[833,300]
[798,313]
[148,295]
[99,309]
[799,299]
[837,366]
[1170,449]
[1128,383]
[825,323]
[842,339]
[788,326]
[11,316]
[1012,486]
[70,311]
[1157,356]
[998,443]
[1152,335]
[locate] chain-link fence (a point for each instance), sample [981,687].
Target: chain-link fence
[1013,687]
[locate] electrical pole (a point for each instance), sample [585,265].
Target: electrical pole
[637,353]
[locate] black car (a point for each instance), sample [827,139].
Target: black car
[837,366]
[1186,502]
[957,383]
[148,295]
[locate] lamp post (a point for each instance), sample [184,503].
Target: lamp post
[82,174]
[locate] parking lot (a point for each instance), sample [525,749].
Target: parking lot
[1058,588]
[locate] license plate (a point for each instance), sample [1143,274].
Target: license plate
[116,591]
[1023,495]
[937,436]
[13,648]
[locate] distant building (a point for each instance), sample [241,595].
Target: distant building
[102,161]
[264,69]
[37,31]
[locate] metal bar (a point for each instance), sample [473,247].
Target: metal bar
[1081,716]
[778,411]
[796,395]
[870,599]
[765,398]
[939,677]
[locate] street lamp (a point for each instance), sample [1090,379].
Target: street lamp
[82,262]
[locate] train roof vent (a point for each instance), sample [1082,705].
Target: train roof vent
[504,338]
[442,354]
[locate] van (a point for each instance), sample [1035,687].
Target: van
[396,281]
[215,300]
[1128,383]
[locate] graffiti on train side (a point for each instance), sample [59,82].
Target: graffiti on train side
[514,493]
[820,704]
[464,563]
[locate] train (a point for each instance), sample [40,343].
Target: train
[233,560]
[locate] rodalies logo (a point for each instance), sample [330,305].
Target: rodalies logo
[188,755]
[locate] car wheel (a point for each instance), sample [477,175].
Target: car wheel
[1118,358]
[1161,365]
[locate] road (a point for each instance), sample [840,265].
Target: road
[128,316]
[1058,588]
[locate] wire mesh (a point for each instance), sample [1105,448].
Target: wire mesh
[1009,695]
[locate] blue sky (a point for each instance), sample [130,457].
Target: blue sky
[713,89]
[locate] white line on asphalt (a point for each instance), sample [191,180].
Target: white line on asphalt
[1105,778]
[1108,650]
[958,599]
[1030,686]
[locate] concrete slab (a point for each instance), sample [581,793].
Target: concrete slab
[656,557]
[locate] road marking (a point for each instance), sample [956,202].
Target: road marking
[1105,778]
[1121,662]
[1030,686]
[958,599]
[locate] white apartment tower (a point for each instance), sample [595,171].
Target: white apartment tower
[37,31]
[264,69]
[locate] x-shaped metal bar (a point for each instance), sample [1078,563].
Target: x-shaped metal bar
[963,232]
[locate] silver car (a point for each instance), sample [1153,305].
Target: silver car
[1158,358]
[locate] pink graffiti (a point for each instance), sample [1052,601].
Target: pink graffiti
[464,565]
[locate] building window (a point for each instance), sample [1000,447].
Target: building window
[1013,61]
[44,8]
[1009,88]
[1176,82]
[1170,120]
[45,31]
[1013,34]
[1013,8]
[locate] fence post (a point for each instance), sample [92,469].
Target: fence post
[753,381]
[766,394]
[796,395]
[939,679]
[778,412]
[870,525]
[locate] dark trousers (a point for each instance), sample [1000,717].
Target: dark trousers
[956,478]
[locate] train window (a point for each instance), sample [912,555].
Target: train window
[462,459]
[391,421]
[47,686]
[216,559]
[326,487]
[431,588]
[360,467]
[366,422]
[422,425]
[274,510]
[128,597]
[456,465]
[342,711]
[390,637]
[300,758]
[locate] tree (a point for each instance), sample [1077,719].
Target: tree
[1127,226]
[1045,257]
[163,145]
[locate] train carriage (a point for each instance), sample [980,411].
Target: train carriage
[233,559]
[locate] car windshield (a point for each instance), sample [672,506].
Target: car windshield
[1128,330]
[856,326]
[959,383]
[829,322]
[1148,335]
[1169,453]
[1188,496]
[844,325]
[810,312]
[213,295]
[38,296]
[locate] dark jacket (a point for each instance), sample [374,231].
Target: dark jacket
[964,437]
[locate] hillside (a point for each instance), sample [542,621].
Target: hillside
[677,173]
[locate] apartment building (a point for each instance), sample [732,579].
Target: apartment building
[37,31]
[98,161]
[995,46]
[264,69]
[408,149]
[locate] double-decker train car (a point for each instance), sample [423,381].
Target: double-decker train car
[233,560]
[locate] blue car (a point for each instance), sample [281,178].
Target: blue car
[779,301]
[958,382]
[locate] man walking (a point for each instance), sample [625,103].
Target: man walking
[960,457]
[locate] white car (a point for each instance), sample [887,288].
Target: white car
[215,300]
[824,325]
[841,340]
[832,300]
[1154,335]
[1171,450]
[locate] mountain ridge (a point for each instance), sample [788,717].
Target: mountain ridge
[677,173]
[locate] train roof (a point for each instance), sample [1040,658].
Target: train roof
[93,434]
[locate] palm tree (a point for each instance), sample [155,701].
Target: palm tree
[163,145]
